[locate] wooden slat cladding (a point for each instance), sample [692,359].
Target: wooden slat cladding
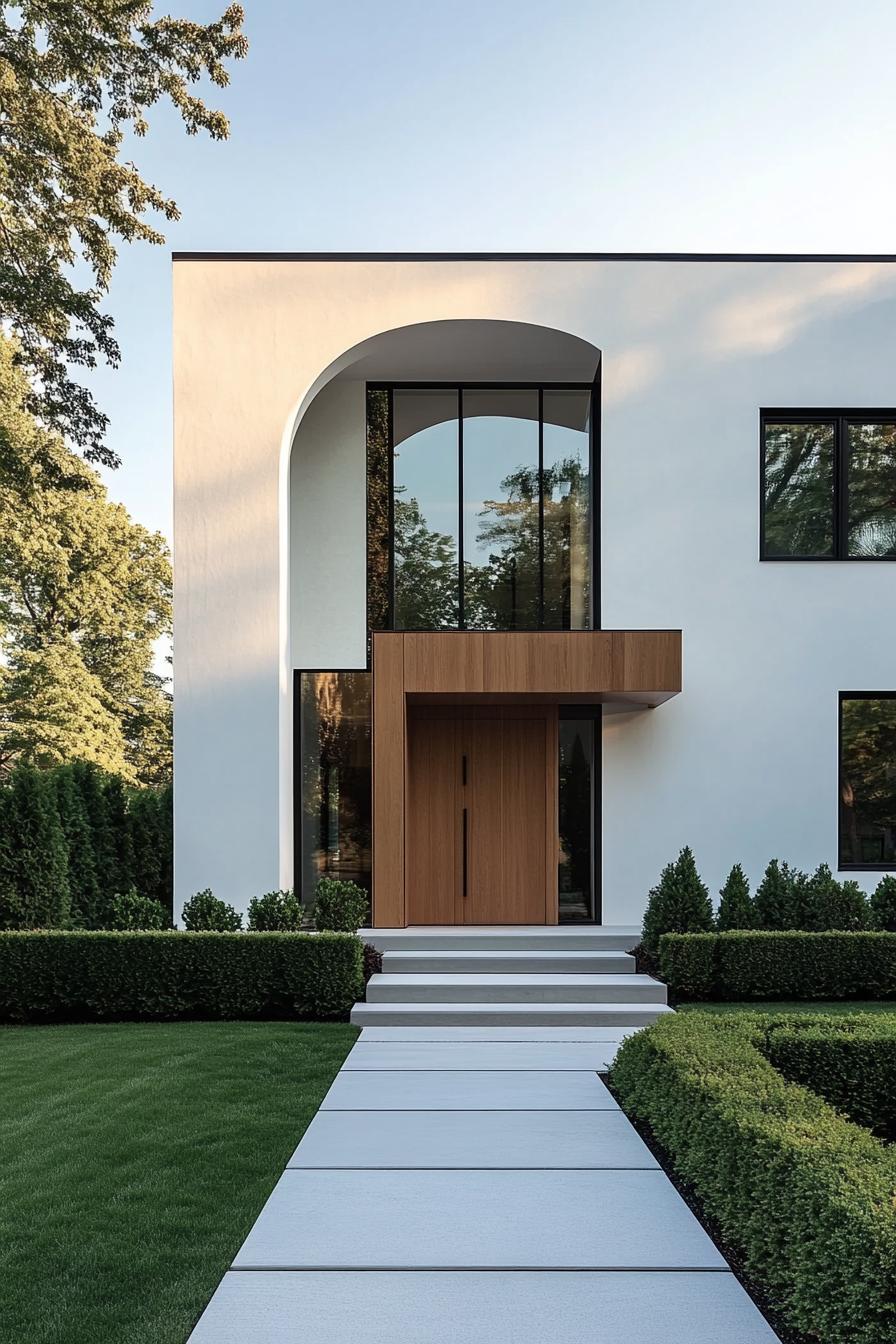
[589,663]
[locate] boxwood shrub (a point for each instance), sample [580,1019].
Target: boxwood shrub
[850,1061]
[803,1196]
[771,965]
[57,976]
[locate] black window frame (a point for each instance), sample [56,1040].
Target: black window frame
[841,418]
[855,867]
[594,389]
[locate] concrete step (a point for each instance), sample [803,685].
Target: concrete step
[506,937]
[547,962]
[515,1015]
[489,988]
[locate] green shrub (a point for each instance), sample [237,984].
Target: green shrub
[850,1061]
[780,965]
[778,897]
[883,904]
[339,906]
[133,911]
[830,904]
[34,892]
[735,906]
[204,913]
[86,904]
[149,811]
[274,912]
[802,1195]
[63,976]
[678,904]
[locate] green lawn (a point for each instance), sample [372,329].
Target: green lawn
[794,1006]
[133,1160]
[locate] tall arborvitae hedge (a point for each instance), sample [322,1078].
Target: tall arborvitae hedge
[71,839]
[778,897]
[37,895]
[84,888]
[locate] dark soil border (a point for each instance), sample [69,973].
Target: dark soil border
[754,1289]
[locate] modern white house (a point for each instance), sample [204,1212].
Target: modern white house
[500,578]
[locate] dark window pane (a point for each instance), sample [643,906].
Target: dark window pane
[500,514]
[867,780]
[799,490]
[378,613]
[334,773]
[567,523]
[425,466]
[871,467]
[576,813]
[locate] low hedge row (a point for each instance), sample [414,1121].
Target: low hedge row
[803,1196]
[57,976]
[755,965]
[851,1062]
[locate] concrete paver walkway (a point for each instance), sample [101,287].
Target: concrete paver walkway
[464,1185]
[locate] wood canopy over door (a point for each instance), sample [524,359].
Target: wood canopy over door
[481,823]
[487,672]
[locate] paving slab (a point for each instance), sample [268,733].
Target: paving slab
[460,1090]
[475,1055]
[472,1139]
[476,1220]
[477,1308]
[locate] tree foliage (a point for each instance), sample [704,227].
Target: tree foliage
[735,905]
[85,593]
[679,903]
[36,894]
[74,78]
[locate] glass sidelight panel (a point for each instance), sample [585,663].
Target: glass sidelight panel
[500,509]
[567,496]
[577,867]
[425,509]
[333,778]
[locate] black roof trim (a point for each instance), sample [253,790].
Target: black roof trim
[533,256]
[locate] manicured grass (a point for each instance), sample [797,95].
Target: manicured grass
[135,1158]
[794,1006]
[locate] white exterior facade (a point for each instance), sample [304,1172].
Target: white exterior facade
[271,357]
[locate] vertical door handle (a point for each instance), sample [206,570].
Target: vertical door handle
[463,769]
[464,860]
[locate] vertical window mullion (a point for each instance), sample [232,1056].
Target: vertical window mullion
[841,520]
[461,615]
[541,508]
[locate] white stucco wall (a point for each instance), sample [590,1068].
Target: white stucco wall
[742,765]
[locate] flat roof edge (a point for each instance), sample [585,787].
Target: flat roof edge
[534,256]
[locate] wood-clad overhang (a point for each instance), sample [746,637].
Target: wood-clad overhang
[619,669]
[628,668]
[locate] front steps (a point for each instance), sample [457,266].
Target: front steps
[560,976]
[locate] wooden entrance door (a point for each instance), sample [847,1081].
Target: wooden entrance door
[481,817]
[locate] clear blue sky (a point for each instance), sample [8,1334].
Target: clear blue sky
[475,124]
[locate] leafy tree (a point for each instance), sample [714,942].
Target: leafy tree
[85,593]
[735,905]
[883,904]
[90,783]
[149,812]
[678,904]
[83,881]
[830,904]
[205,912]
[74,77]
[38,890]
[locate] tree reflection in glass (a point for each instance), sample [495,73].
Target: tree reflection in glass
[799,490]
[871,476]
[868,780]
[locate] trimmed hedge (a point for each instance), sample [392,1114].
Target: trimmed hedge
[60,976]
[851,1062]
[770,965]
[803,1196]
